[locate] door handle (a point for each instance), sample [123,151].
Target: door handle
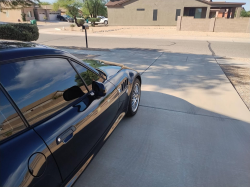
[66,136]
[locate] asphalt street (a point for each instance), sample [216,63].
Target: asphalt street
[192,128]
[223,49]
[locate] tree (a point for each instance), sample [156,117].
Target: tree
[44,3]
[72,7]
[94,8]
[244,13]
[15,3]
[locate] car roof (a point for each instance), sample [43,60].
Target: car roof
[10,50]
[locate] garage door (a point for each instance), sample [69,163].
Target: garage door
[41,16]
[52,16]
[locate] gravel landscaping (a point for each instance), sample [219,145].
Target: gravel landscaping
[240,79]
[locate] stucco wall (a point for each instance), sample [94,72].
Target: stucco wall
[10,15]
[128,14]
[232,25]
[191,24]
[241,25]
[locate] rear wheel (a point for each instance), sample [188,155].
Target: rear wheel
[134,99]
[106,23]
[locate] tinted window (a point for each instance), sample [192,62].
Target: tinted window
[155,15]
[87,75]
[37,86]
[10,122]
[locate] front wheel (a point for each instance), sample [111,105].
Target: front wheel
[134,99]
[106,23]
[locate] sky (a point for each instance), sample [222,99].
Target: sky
[247,6]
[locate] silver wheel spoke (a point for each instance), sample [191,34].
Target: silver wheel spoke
[135,97]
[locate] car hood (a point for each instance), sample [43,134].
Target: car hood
[108,68]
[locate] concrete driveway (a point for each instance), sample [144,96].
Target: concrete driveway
[192,128]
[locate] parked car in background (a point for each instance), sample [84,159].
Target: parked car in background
[103,20]
[57,111]
[65,18]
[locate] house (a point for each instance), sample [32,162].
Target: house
[166,12]
[46,11]
[8,14]
[34,11]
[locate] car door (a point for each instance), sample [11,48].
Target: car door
[70,128]
[25,160]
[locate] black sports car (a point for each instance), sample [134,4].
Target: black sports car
[56,112]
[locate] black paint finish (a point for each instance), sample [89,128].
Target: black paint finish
[55,151]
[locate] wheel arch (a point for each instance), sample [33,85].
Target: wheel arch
[138,76]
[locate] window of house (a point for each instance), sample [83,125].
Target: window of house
[155,15]
[37,86]
[87,75]
[29,14]
[140,9]
[7,13]
[178,13]
[198,12]
[10,121]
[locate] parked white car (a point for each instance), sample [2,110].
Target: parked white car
[103,20]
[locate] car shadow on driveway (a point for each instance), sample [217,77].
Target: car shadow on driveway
[172,147]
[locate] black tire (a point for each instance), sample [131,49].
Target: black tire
[106,23]
[131,112]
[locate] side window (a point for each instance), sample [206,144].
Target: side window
[87,75]
[155,12]
[37,86]
[10,122]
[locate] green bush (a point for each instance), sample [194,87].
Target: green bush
[244,13]
[23,17]
[19,31]
[93,20]
[80,22]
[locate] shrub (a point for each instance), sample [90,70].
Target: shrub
[23,17]
[80,22]
[19,31]
[244,13]
[93,20]
[72,25]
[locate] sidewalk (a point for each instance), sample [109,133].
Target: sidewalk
[151,32]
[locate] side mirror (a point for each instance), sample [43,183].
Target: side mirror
[72,93]
[99,89]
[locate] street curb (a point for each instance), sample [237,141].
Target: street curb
[79,48]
